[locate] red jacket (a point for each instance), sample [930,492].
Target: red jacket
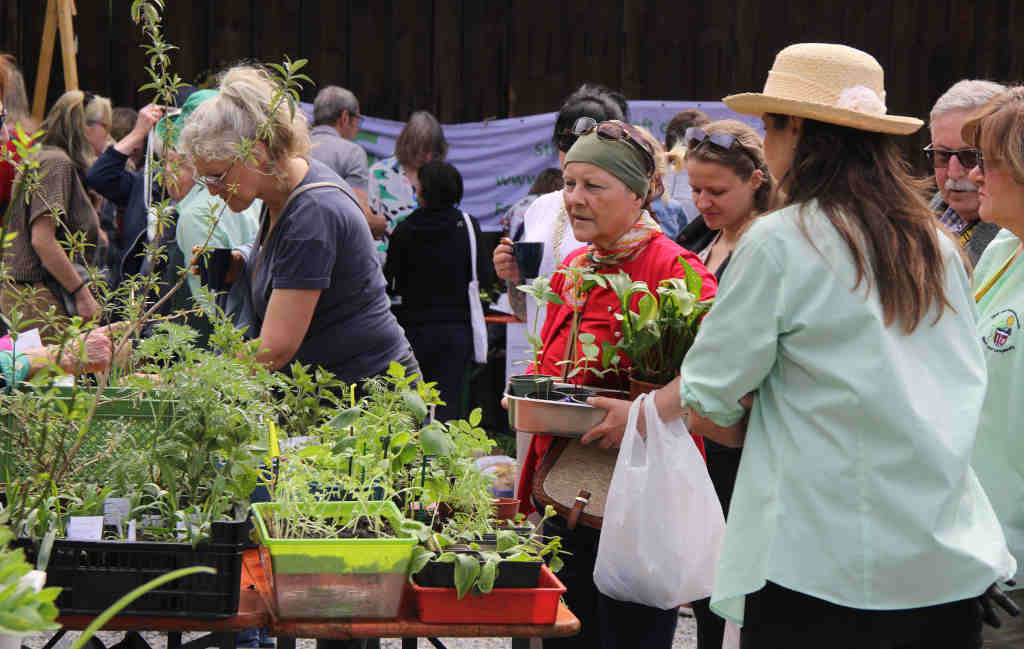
[658,261]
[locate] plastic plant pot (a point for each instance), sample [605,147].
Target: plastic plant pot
[511,574]
[335,578]
[524,384]
[506,508]
[501,605]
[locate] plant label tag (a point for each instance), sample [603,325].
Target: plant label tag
[116,510]
[131,531]
[85,528]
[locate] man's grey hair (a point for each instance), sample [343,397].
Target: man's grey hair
[331,102]
[966,95]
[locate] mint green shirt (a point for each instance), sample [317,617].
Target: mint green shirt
[854,485]
[234,229]
[999,451]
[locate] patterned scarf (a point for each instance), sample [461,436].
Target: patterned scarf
[625,249]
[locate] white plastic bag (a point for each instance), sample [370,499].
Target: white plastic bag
[663,524]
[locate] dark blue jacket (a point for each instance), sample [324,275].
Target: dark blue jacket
[125,189]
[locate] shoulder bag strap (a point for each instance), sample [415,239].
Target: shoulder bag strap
[472,242]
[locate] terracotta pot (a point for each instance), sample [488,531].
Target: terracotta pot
[638,387]
[506,508]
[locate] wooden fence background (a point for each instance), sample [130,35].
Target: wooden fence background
[468,60]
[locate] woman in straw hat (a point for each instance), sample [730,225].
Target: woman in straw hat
[856,519]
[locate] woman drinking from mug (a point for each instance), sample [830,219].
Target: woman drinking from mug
[611,175]
[856,520]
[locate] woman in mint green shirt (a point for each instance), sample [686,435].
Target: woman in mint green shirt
[856,519]
[999,289]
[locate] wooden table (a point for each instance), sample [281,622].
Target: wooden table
[406,626]
[252,614]
[255,608]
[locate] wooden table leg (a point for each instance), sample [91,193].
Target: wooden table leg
[285,643]
[173,639]
[408,643]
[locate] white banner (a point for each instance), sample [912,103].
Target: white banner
[500,159]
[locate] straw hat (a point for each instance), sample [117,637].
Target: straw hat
[828,83]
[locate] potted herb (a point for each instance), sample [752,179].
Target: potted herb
[657,335]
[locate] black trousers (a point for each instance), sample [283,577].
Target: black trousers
[605,623]
[779,618]
[443,350]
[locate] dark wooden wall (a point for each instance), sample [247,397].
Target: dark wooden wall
[468,60]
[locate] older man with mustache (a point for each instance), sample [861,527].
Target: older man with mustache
[956,203]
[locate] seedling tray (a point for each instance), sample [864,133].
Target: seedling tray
[95,574]
[335,578]
[501,605]
[511,574]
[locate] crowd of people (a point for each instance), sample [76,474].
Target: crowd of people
[855,389]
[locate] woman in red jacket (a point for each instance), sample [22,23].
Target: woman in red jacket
[611,175]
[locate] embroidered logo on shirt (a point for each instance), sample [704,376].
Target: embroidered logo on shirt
[1004,325]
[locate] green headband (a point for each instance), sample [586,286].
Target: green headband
[618,157]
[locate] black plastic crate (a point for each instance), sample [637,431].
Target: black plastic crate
[511,574]
[95,574]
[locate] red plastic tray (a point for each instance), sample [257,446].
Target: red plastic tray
[501,605]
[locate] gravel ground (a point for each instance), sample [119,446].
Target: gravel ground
[686,638]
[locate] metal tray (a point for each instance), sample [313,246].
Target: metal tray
[559,418]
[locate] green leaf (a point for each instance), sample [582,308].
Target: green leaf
[475,417]
[414,403]
[586,337]
[467,569]
[345,418]
[507,539]
[420,557]
[488,573]
[556,563]
[694,283]
[434,440]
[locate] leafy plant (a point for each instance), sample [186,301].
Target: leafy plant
[540,290]
[22,609]
[477,568]
[657,335]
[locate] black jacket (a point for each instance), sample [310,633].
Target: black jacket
[697,236]
[428,266]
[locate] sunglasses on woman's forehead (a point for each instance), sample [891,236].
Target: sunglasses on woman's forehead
[614,131]
[695,136]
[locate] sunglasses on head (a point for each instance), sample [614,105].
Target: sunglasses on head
[968,158]
[696,136]
[612,131]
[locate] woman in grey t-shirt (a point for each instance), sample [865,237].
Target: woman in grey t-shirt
[317,290]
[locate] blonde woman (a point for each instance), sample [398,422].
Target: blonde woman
[59,209]
[316,288]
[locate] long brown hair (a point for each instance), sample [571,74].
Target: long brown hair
[867,192]
[65,129]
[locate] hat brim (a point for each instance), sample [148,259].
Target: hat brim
[755,103]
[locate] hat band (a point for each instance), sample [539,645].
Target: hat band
[785,85]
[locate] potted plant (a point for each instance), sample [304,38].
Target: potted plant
[463,576]
[657,335]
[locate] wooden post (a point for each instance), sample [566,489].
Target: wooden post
[67,43]
[58,14]
[45,61]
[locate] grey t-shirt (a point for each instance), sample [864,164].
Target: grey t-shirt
[346,158]
[321,242]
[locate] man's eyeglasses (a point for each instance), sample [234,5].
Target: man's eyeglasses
[216,182]
[969,158]
[981,163]
[3,117]
[615,131]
